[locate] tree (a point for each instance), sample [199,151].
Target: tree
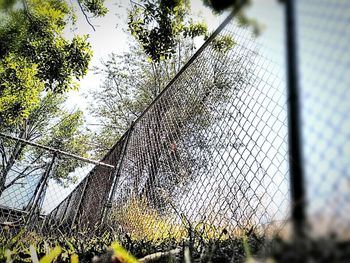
[165,36]
[131,82]
[37,64]
[51,126]
[19,89]
[159,26]
[134,79]
[34,55]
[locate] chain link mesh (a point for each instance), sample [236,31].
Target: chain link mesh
[324,66]
[211,151]
[210,155]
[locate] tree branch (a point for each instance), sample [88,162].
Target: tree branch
[22,175]
[138,4]
[86,17]
[3,155]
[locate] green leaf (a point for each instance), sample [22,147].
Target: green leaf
[54,253]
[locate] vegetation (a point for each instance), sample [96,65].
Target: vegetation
[37,65]
[35,57]
[50,125]
[158,26]
[103,248]
[106,247]
[165,33]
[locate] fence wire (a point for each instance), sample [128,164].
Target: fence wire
[212,150]
[44,187]
[210,155]
[324,52]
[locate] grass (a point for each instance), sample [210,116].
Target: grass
[145,235]
[246,249]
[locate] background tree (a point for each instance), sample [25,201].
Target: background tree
[37,65]
[34,55]
[50,125]
[159,26]
[165,33]
[134,79]
[130,83]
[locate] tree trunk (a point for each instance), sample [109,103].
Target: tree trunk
[16,151]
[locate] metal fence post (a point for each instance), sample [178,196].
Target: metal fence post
[108,204]
[41,188]
[294,124]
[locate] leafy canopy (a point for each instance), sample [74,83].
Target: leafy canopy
[35,56]
[159,24]
[20,87]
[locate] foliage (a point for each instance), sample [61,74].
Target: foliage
[107,246]
[36,34]
[121,254]
[37,64]
[52,126]
[19,89]
[83,245]
[6,4]
[131,82]
[250,248]
[218,6]
[35,56]
[223,44]
[159,24]
[96,7]
[144,223]
[133,79]
[52,255]
[66,135]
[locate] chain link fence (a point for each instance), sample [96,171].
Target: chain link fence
[323,35]
[46,188]
[209,158]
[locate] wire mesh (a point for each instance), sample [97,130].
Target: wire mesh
[85,205]
[323,36]
[43,188]
[211,152]
[209,156]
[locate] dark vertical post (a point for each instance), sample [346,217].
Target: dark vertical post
[41,188]
[294,132]
[108,204]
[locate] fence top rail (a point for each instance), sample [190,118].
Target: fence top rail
[53,150]
[207,42]
[227,20]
